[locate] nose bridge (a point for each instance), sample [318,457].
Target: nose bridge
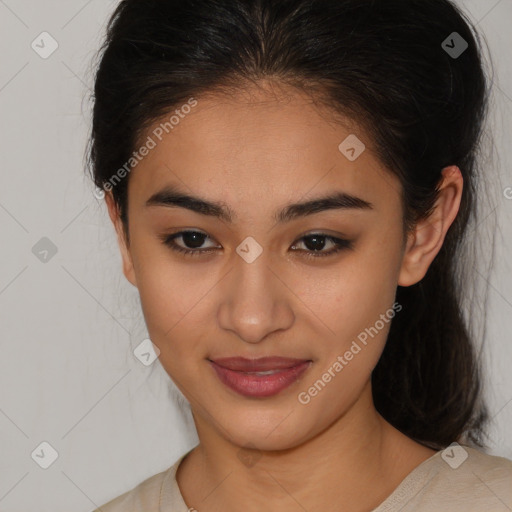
[254,302]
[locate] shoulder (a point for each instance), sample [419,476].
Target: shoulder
[456,479]
[481,476]
[145,497]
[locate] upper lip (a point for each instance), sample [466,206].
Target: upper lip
[241,364]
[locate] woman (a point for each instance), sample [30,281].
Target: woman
[291,182]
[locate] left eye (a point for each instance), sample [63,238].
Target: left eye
[315,243]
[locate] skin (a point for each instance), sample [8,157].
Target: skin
[257,151]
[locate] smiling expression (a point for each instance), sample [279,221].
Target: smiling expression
[259,186]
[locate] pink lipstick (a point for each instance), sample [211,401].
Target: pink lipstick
[261,377]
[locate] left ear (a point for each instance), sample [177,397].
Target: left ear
[426,239]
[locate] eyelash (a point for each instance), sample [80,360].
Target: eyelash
[341,244]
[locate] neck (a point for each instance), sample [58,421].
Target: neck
[357,461]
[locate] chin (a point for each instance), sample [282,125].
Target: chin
[266,432]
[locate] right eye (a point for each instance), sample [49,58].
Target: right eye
[192,239]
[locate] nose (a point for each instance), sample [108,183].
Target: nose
[255,301]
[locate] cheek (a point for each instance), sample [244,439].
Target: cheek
[351,296]
[360,322]
[169,299]
[178,304]
[357,306]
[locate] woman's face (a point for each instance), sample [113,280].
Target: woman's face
[260,290]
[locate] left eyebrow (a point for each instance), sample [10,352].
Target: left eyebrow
[172,196]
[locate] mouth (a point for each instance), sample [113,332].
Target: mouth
[263,377]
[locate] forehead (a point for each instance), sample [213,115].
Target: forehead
[259,144]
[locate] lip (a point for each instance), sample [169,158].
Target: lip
[241,374]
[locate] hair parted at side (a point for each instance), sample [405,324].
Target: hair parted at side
[380,63]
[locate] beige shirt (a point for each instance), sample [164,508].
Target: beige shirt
[457,479]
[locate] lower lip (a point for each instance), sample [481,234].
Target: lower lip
[250,384]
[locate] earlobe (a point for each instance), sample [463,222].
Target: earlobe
[113,212]
[426,239]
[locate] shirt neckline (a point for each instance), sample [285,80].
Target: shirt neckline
[170,495]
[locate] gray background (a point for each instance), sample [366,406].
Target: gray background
[69,325]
